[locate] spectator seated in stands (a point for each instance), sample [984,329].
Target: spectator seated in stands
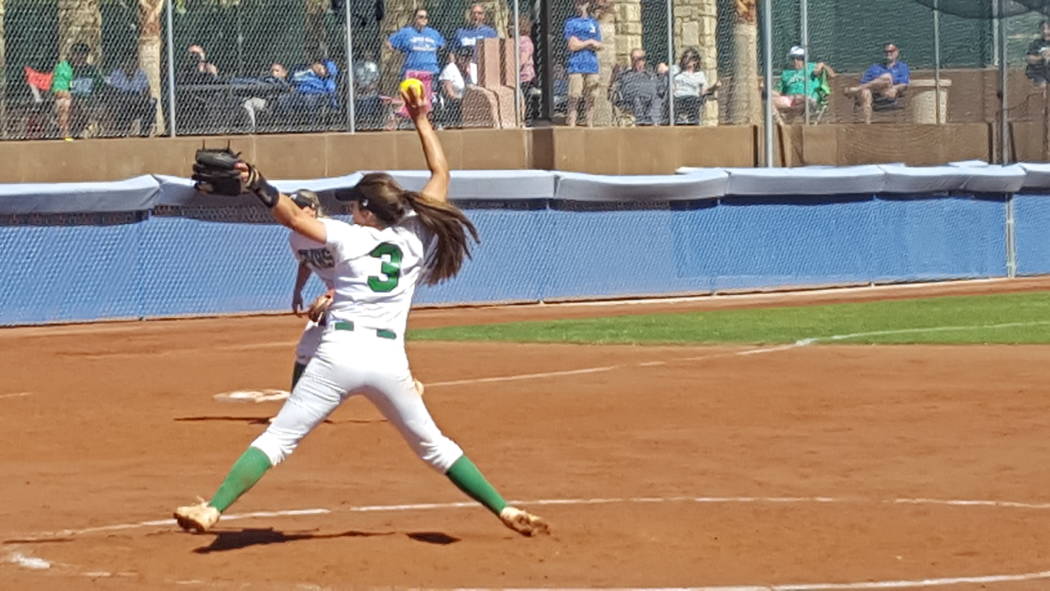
[419,43]
[453,84]
[196,69]
[265,91]
[641,91]
[883,84]
[313,89]
[202,106]
[76,85]
[690,88]
[1037,57]
[799,82]
[128,98]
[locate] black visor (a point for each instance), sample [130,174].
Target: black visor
[349,195]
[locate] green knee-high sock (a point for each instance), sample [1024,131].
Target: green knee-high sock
[246,471]
[297,372]
[465,475]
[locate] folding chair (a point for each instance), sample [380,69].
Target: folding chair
[39,116]
[823,96]
[880,104]
[622,114]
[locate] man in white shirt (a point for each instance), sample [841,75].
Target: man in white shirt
[453,85]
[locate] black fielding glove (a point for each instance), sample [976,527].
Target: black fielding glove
[216,172]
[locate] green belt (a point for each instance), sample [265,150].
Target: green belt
[380,332]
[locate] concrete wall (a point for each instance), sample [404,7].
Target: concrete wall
[600,151]
[301,156]
[916,145]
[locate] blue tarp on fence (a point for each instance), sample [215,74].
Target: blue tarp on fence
[151,246]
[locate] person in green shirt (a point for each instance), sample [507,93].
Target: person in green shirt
[75,81]
[799,81]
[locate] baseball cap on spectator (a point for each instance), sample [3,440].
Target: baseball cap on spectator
[797,51]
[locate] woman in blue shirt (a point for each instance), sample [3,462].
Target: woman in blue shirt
[419,43]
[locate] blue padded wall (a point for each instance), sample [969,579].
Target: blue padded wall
[220,261]
[1032,233]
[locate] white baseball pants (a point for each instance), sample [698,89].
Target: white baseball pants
[309,341]
[358,362]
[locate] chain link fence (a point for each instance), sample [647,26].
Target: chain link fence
[116,68]
[965,60]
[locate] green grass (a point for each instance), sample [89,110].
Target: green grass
[942,320]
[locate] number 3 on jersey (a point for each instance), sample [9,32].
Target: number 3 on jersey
[390,267]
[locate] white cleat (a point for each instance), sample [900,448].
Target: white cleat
[523,522]
[197,518]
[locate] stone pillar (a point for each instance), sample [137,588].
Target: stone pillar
[80,21]
[696,25]
[628,29]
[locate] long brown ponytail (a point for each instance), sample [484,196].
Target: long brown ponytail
[379,193]
[450,225]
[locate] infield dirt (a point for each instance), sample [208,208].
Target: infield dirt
[119,425]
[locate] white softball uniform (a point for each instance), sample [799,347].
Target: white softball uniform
[362,350]
[321,262]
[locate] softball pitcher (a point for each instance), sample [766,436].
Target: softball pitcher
[398,239]
[315,258]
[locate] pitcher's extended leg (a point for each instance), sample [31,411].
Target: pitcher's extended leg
[407,412]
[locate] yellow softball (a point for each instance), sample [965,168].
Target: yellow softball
[412,86]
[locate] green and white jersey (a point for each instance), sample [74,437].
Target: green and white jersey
[376,271]
[316,255]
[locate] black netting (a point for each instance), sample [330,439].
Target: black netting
[987,9]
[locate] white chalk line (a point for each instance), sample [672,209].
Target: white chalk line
[16,395]
[266,395]
[879,333]
[901,584]
[789,294]
[30,562]
[541,502]
[744,353]
[40,564]
[259,346]
[659,363]
[19,558]
[605,368]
